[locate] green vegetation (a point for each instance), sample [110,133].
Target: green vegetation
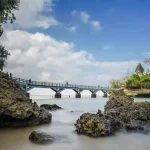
[137,82]
[3,56]
[116,84]
[133,82]
[7,8]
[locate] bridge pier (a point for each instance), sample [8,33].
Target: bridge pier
[105,93]
[78,92]
[58,95]
[78,95]
[93,95]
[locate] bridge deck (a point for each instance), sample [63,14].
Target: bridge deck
[59,85]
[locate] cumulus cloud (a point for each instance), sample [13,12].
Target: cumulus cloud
[43,58]
[86,19]
[31,14]
[84,16]
[71,28]
[96,25]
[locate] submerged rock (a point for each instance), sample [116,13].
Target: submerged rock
[16,109]
[50,107]
[40,137]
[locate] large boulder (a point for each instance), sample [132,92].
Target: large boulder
[122,106]
[50,107]
[132,115]
[40,137]
[96,125]
[118,99]
[16,109]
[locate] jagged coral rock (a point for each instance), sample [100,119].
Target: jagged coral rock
[16,109]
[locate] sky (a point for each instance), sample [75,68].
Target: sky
[88,42]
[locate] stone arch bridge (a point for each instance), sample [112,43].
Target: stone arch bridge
[59,87]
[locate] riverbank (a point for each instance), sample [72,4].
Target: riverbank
[138,92]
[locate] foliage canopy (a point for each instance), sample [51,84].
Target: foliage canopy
[136,82]
[7,8]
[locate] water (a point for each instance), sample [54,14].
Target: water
[62,127]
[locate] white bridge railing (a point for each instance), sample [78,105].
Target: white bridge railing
[51,84]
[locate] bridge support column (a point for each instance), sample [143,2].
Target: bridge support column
[93,95]
[58,95]
[78,95]
[78,92]
[105,94]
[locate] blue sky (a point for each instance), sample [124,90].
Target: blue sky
[125,27]
[81,42]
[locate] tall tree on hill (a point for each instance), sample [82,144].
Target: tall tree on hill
[7,8]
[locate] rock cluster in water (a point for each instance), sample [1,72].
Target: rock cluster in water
[50,107]
[16,109]
[40,137]
[120,112]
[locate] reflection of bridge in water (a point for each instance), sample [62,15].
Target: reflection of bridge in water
[59,87]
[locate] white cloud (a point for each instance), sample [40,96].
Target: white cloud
[71,28]
[43,58]
[84,16]
[96,25]
[74,12]
[30,14]
[86,19]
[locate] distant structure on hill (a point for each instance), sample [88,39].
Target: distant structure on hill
[139,69]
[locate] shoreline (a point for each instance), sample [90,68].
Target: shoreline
[138,93]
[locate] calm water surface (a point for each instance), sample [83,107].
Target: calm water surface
[62,128]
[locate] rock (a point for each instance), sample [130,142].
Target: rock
[50,107]
[128,112]
[133,127]
[121,112]
[99,113]
[40,137]
[95,126]
[118,99]
[16,109]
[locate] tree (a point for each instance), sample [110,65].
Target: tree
[7,8]
[3,56]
